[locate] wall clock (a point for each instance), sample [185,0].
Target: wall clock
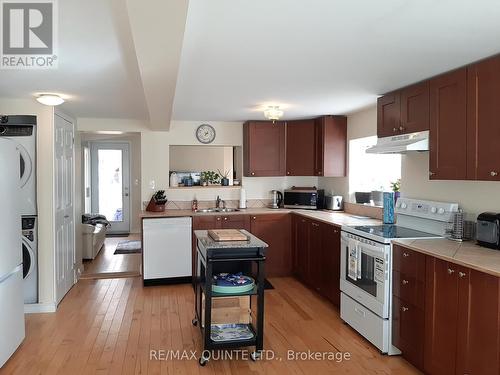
[205,133]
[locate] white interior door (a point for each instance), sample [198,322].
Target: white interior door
[63,206]
[111,183]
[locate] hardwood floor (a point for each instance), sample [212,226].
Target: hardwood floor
[109,326]
[108,265]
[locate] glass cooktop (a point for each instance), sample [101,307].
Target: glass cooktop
[392,231]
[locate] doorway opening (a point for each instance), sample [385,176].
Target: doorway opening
[111,201]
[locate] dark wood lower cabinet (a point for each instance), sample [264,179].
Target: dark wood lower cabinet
[275,230]
[316,253]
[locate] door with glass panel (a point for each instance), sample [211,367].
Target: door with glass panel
[111,183]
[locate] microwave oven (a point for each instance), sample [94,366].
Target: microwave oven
[309,199]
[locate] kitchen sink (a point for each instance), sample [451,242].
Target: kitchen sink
[207,210]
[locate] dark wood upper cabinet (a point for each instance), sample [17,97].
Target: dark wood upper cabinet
[389,114]
[275,230]
[330,146]
[404,111]
[483,116]
[415,108]
[264,148]
[441,317]
[478,345]
[300,142]
[448,126]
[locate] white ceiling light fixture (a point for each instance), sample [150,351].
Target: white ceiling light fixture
[273,112]
[50,99]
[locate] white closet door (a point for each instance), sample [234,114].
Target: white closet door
[63,206]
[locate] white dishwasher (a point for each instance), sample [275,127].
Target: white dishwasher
[167,249]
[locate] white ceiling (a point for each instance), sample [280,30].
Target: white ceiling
[321,56]
[310,56]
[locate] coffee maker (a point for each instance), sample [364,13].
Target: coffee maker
[276,199]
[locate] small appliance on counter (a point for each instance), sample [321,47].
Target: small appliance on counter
[488,230]
[334,202]
[308,198]
[276,199]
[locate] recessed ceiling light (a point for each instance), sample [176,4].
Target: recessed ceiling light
[50,99]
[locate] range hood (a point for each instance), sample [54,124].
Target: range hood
[400,144]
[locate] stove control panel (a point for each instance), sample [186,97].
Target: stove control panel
[440,211]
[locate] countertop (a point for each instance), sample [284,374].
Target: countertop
[466,254]
[329,217]
[209,243]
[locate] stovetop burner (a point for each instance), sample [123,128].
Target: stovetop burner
[390,231]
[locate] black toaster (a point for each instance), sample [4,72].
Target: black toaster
[488,230]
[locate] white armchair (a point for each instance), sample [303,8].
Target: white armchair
[93,239]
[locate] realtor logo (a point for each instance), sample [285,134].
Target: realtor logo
[28,34]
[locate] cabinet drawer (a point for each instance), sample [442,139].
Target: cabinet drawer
[408,288]
[409,262]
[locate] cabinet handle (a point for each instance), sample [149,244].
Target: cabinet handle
[319,172]
[462,274]
[401,128]
[253,173]
[225,218]
[218,219]
[431,173]
[404,309]
[405,282]
[287,172]
[406,255]
[493,173]
[451,271]
[254,218]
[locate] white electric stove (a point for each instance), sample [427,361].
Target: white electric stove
[366,265]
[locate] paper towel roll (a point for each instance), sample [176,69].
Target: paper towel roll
[243,198]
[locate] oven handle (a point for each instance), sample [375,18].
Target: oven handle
[366,248]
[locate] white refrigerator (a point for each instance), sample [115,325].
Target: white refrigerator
[11,269]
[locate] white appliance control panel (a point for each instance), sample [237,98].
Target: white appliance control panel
[440,211]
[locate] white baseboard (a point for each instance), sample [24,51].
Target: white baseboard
[36,308]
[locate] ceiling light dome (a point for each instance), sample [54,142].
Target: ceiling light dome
[273,112]
[50,99]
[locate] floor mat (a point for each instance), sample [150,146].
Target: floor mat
[128,247]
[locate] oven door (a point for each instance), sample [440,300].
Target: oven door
[364,271]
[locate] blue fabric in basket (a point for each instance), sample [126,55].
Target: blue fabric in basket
[229,279]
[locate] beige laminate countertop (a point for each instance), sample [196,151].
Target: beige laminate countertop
[329,217]
[466,254]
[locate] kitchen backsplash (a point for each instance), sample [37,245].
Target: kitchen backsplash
[186,205]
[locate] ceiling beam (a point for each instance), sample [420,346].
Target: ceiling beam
[157,28]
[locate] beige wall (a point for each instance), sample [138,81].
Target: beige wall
[155,158]
[473,196]
[45,188]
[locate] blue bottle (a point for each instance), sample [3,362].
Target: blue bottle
[388,208]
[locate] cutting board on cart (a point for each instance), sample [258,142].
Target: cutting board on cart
[227,235]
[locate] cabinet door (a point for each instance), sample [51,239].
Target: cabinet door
[300,139]
[478,345]
[330,146]
[275,230]
[483,114]
[388,114]
[264,148]
[314,272]
[330,263]
[415,108]
[235,222]
[441,317]
[202,223]
[448,127]
[301,247]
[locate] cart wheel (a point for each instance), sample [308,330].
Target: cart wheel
[255,356]
[195,322]
[203,361]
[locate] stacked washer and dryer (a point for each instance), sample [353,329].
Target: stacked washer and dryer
[22,131]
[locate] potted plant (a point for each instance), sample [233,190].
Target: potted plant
[224,177]
[209,178]
[396,186]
